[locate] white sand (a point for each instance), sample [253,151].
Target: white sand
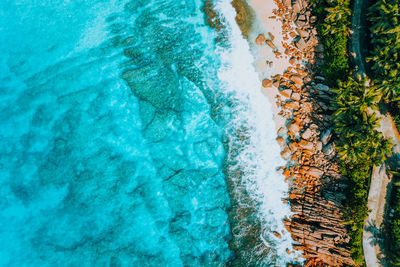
[262,53]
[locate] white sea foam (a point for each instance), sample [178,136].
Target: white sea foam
[259,156]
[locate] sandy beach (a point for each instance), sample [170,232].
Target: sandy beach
[270,58]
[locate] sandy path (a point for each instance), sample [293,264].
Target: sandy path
[376,203]
[377,195]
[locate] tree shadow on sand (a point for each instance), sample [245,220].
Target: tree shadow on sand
[377,239]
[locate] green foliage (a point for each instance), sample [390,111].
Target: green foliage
[334,32]
[393,234]
[356,122]
[356,206]
[360,146]
[384,16]
[397,121]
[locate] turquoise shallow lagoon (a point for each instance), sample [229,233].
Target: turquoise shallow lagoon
[95,172]
[121,124]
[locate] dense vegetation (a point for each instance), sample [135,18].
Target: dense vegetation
[359,145]
[334,29]
[384,17]
[393,225]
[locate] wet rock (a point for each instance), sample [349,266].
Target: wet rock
[266,83]
[317,222]
[260,40]
[281,131]
[281,141]
[285,153]
[271,44]
[322,87]
[326,136]
[276,234]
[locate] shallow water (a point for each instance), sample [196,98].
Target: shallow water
[112,121]
[95,173]
[253,157]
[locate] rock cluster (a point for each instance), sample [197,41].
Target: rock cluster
[316,187]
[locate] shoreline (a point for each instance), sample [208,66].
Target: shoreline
[286,48]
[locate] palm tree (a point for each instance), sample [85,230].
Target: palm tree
[337,17]
[380,147]
[385,17]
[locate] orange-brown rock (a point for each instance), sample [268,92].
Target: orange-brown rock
[316,188]
[294,128]
[281,141]
[286,172]
[292,105]
[260,40]
[295,96]
[307,134]
[266,83]
[293,34]
[286,93]
[276,234]
[293,146]
[271,44]
[285,153]
[281,131]
[303,34]
[296,79]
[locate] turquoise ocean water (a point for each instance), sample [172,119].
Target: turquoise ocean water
[112,121]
